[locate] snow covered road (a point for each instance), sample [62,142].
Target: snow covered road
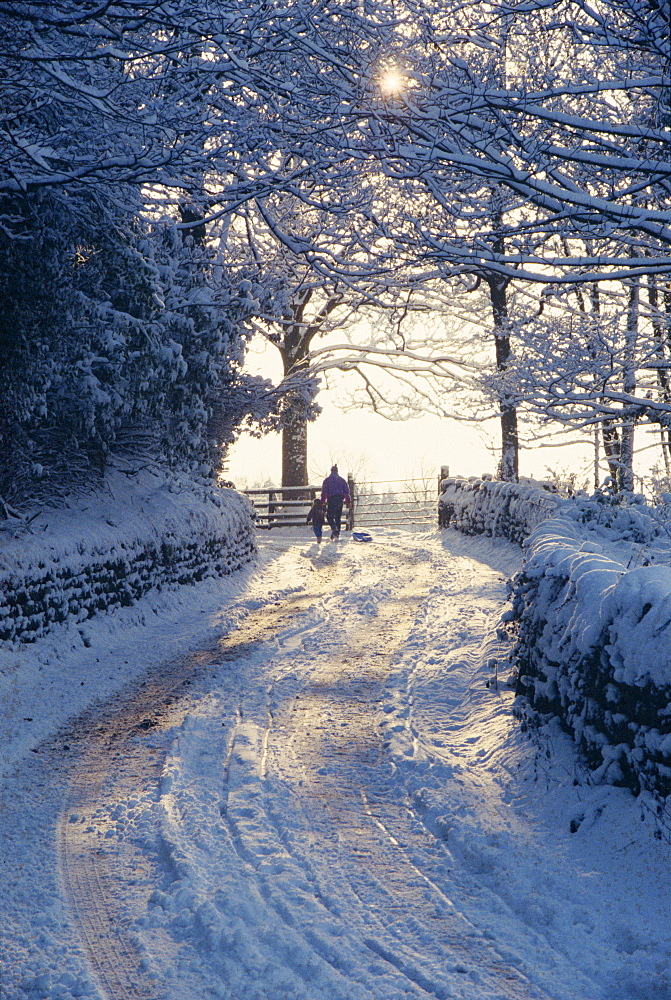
[326,800]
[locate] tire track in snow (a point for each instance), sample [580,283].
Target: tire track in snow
[111,765]
[313,815]
[384,888]
[114,764]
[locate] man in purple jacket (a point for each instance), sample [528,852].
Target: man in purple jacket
[335,492]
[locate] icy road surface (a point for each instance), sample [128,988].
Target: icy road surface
[330,803]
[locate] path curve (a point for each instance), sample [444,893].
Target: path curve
[304,813]
[112,762]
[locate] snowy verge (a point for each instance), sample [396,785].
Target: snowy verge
[577,863]
[45,683]
[113,549]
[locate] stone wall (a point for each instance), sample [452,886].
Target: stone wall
[591,615]
[70,580]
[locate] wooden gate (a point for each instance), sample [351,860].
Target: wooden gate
[288,506]
[375,505]
[396,503]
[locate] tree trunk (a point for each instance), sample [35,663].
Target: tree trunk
[509,465]
[297,337]
[295,448]
[629,385]
[612,448]
[612,444]
[660,329]
[294,350]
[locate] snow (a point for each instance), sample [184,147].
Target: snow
[301,781]
[593,611]
[138,535]
[493,507]
[592,615]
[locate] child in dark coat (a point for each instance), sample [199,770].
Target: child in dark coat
[316,517]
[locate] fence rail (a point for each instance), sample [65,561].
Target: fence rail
[396,503]
[389,503]
[282,506]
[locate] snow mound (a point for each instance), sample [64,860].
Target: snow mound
[489,507]
[594,632]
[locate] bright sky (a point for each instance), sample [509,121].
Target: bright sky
[374,449]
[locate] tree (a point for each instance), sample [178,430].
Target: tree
[115,341]
[304,309]
[117,334]
[542,136]
[546,126]
[108,97]
[522,144]
[595,364]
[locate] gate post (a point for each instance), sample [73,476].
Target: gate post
[349,525]
[444,473]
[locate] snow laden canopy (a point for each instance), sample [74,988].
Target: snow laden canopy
[476,153]
[511,152]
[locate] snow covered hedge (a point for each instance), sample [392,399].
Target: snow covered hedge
[114,549]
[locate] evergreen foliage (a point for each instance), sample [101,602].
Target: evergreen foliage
[115,340]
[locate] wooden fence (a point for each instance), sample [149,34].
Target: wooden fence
[404,502]
[288,506]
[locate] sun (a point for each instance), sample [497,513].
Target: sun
[391,82]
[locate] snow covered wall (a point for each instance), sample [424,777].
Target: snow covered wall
[592,609]
[113,549]
[489,507]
